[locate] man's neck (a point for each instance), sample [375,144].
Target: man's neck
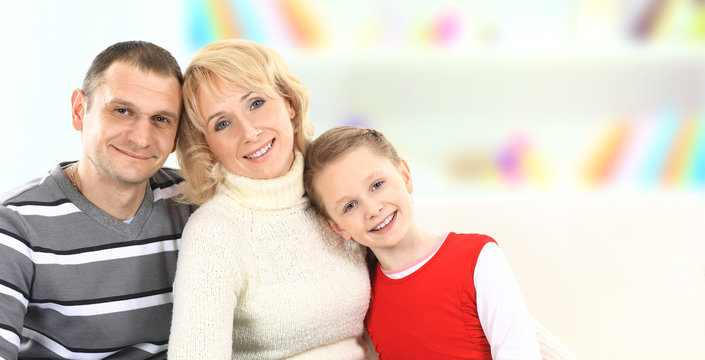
[119,199]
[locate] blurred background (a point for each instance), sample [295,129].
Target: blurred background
[478,96]
[599,104]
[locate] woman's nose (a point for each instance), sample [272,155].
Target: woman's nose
[251,132]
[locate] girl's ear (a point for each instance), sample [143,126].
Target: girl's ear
[340,231]
[406,175]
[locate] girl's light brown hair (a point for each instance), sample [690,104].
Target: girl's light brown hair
[333,144]
[240,63]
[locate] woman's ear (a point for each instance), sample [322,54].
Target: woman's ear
[406,175]
[290,108]
[338,230]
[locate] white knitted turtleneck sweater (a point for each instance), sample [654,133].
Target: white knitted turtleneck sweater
[260,276]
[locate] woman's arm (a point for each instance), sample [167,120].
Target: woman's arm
[500,306]
[205,294]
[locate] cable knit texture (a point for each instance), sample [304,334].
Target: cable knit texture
[261,276]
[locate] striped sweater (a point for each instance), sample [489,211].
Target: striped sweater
[76,283]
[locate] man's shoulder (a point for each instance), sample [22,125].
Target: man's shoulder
[165,177]
[35,190]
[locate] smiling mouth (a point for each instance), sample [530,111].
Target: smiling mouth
[384,223]
[132,154]
[261,151]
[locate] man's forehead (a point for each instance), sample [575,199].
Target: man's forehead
[134,85]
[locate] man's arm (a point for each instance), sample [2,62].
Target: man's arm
[16,275]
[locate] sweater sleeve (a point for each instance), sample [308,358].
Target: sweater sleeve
[16,274]
[205,291]
[507,324]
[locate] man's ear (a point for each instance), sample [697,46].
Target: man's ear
[406,175]
[78,109]
[340,231]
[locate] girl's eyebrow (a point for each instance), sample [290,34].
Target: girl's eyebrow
[368,179]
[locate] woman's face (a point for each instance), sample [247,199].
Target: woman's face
[250,133]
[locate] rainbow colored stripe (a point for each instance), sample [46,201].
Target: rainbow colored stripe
[271,22]
[295,23]
[667,150]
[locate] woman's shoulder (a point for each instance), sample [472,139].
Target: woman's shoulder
[215,209]
[215,220]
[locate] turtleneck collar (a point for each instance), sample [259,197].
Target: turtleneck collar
[278,193]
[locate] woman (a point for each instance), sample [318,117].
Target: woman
[259,275]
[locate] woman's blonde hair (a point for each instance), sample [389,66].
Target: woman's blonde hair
[240,63]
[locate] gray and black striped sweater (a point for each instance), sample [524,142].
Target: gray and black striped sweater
[76,283]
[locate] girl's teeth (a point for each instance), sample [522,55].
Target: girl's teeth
[385,223]
[260,152]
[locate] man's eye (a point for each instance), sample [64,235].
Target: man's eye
[122,111]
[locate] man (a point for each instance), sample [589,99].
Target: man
[88,251]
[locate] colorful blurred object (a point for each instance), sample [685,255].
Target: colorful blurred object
[671,20]
[515,164]
[667,150]
[284,22]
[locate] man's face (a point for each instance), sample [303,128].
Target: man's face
[128,126]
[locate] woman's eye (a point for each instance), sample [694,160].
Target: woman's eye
[220,125]
[349,206]
[161,119]
[257,103]
[377,185]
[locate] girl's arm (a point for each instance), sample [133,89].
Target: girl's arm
[507,324]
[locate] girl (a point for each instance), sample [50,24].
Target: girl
[433,297]
[259,274]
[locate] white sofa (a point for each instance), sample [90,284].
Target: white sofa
[613,275]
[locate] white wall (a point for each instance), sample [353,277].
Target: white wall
[616,273]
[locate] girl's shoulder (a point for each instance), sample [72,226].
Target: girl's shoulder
[469,241]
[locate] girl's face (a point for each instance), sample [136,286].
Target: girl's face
[249,132]
[367,198]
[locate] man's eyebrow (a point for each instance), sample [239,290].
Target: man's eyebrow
[219,113]
[168,114]
[130,104]
[122,102]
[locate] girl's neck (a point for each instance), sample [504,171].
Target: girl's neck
[415,246]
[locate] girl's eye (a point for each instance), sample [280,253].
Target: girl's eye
[257,103]
[377,185]
[349,206]
[220,125]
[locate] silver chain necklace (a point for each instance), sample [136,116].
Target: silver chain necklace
[73,180]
